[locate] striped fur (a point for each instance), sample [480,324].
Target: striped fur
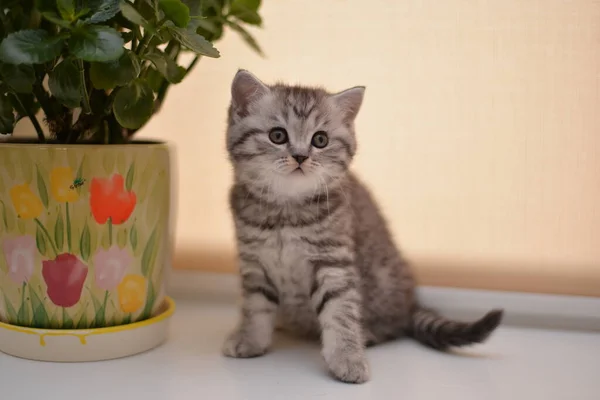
[316,256]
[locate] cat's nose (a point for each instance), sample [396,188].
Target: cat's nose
[300,159]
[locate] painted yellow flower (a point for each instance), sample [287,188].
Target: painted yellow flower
[132,293]
[61,180]
[26,203]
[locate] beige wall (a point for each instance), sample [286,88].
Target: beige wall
[480,132]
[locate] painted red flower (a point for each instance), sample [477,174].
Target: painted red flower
[109,199]
[64,277]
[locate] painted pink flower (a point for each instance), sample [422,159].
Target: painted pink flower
[111,266]
[64,277]
[19,253]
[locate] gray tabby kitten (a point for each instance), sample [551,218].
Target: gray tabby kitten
[315,254]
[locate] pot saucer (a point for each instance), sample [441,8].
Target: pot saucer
[80,345]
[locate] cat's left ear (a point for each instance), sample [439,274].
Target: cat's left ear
[349,101]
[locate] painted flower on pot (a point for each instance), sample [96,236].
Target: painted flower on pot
[110,201]
[26,203]
[19,253]
[61,180]
[64,277]
[110,266]
[132,293]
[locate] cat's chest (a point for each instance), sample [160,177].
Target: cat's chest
[285,257]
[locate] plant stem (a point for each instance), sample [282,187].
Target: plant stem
[84,92]
[37,221]
[104,306]
[110,231]
[68,218]
[23,295]
[148,38]
[34,121]
[191,66]
[38,92]
[144,44]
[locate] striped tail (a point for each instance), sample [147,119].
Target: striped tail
[433,330]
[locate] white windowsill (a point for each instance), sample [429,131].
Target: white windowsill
[516,363]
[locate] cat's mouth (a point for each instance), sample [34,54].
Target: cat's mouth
[298,171]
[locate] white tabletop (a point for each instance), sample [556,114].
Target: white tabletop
[516,364]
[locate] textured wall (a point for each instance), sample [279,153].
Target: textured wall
[480,132]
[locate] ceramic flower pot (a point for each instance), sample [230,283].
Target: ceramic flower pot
[84,233]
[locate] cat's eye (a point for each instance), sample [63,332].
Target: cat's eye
[320,140]
[278,136]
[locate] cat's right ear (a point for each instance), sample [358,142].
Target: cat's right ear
[245,89]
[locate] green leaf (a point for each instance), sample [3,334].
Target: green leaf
[154,79]
[100,317]
[31,46]
[12,314]
[79,174]
[45,5]
[134,104]
[195,6]
[196,43]
[83,322]
[132,15]
[246,36]
[59,232]
[67,321]
[5,219]
[166,66]
[24,315]
[66,8]
[111,74]
[150,300]
[64,83]
[96,43]
[40,316]
[149,255]
[40,241]
[7,116]
[102,10]
[126,320]
[176,11]
[133,237]
[56,19]
[54,324]
[19,77]
[247,11]
[97,307]
[85,243]
[41,185]
[252,5]
[129,178]
[211,29]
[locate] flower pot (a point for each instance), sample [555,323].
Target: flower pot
[84,233]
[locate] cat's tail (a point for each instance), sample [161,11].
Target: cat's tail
[438,332]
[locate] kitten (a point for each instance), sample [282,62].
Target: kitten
[315,254]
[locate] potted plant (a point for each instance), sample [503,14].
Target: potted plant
[84,209]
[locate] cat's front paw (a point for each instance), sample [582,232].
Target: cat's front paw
[239,345]
[350,367]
